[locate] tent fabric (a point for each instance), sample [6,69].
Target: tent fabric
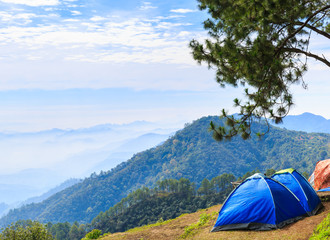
[324,190]
[288,170]
[300,187]
[259,203]
[320,178]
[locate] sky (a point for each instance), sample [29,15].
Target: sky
[79,63]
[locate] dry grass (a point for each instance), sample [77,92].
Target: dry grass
[172,230]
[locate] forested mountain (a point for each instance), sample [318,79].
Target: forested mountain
[191,153]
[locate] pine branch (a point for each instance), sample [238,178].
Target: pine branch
[323,33]
[301,27]
[309,54]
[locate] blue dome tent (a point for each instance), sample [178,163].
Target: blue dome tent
[259,203]
[294,181]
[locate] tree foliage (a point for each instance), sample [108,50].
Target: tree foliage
[169,199]
[94,234]
[262,45]
[26,230]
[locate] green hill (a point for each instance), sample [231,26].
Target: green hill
[191,153]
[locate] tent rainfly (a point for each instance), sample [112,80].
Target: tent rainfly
[320,178]
[259,203]
[294,181]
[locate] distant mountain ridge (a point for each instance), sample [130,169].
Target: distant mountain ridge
[4,208]
[47,158]
[62,186]
[307,122]
[25,184]
[190,153]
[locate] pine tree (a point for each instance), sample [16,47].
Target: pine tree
[262,45]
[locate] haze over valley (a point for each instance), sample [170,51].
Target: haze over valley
[38,161]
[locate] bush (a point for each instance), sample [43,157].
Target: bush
[94,234]
[22,230]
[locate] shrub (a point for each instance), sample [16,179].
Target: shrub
[94,234]
[322,231]
[22,230]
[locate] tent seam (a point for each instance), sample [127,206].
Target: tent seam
[287,189]
[300,187]
[271,194]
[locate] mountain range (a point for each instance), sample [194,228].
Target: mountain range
[307,122]
[76,153]
[43,160]
[190,153]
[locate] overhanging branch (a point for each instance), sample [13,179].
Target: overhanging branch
[301,27]
[308,54]
[325,34]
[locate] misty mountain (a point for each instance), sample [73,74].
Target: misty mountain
[25,184]
[62,186]
[190,153]
[34,162]
[107,157]
[127,149]
[307,122]
[3,208]
[25,191]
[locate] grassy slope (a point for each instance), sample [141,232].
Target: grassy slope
[173,229]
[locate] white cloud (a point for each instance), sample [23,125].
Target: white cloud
[146,6]
[169,25]
[97,18]
[169,17]
[50,9]
[21,18]
[109,40]
[33,3]
[71,20]
[75,13]
[183,10]
[102,40]
[184,34]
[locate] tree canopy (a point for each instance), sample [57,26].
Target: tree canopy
[262,45]
[25,230]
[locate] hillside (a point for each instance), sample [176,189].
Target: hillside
[174,229]
[168,200]
[191,153]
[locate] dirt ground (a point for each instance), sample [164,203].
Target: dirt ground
[301,230]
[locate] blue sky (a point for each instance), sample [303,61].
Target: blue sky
[70,64]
